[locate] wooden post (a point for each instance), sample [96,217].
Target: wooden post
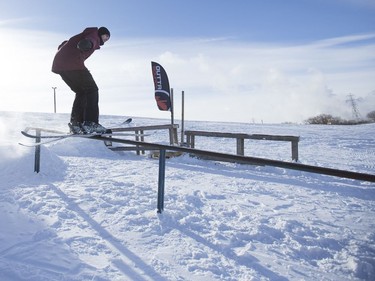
[241,146]
[294,150]
[175,135]
[142,139]
[188,140]
[192,141]
[137,139]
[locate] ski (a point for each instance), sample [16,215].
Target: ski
[40,143]
[55,135]
[58,134]
[55,138]
[68,135]
[127,121]
[123,123]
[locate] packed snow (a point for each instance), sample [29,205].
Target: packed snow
[90,214]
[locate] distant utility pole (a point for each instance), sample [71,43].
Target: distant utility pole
[352,101]
[54,98]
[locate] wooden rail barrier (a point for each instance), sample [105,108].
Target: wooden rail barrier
[172,128]
[240,139]
[173,137]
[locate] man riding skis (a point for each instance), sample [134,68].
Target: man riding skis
[69,64]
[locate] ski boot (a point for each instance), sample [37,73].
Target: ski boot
[75,128]
[90,127]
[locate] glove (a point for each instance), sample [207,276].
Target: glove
[84,45]
[62,44]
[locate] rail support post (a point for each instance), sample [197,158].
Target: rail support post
[37,153]
[241,146]
[161,184]
[295,150]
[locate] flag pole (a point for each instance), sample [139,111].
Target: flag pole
[172,107]
[182,116]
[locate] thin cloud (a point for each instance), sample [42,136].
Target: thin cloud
[13,22]
[358,38]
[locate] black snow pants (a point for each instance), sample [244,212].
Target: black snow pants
[86,102]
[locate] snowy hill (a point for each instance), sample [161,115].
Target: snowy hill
[90,214]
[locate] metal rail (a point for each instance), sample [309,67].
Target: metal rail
[250,160]
[217,156]
[239,158]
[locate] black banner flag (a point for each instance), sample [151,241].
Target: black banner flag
[162,91]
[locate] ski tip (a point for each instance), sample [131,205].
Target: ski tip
[24,144]
[127,121]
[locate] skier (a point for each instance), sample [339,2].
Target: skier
[69,64]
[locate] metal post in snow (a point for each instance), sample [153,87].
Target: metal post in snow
[182,116]
[37,153]
[172,107]
[161,184]
[54,98]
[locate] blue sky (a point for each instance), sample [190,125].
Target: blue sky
[248,61]
[259,20]
[244,20]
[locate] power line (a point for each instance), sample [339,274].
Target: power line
[353,102]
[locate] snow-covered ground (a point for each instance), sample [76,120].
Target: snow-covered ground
[90,214]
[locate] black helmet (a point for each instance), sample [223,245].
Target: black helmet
[103,30]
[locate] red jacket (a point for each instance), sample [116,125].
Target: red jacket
[69,57]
